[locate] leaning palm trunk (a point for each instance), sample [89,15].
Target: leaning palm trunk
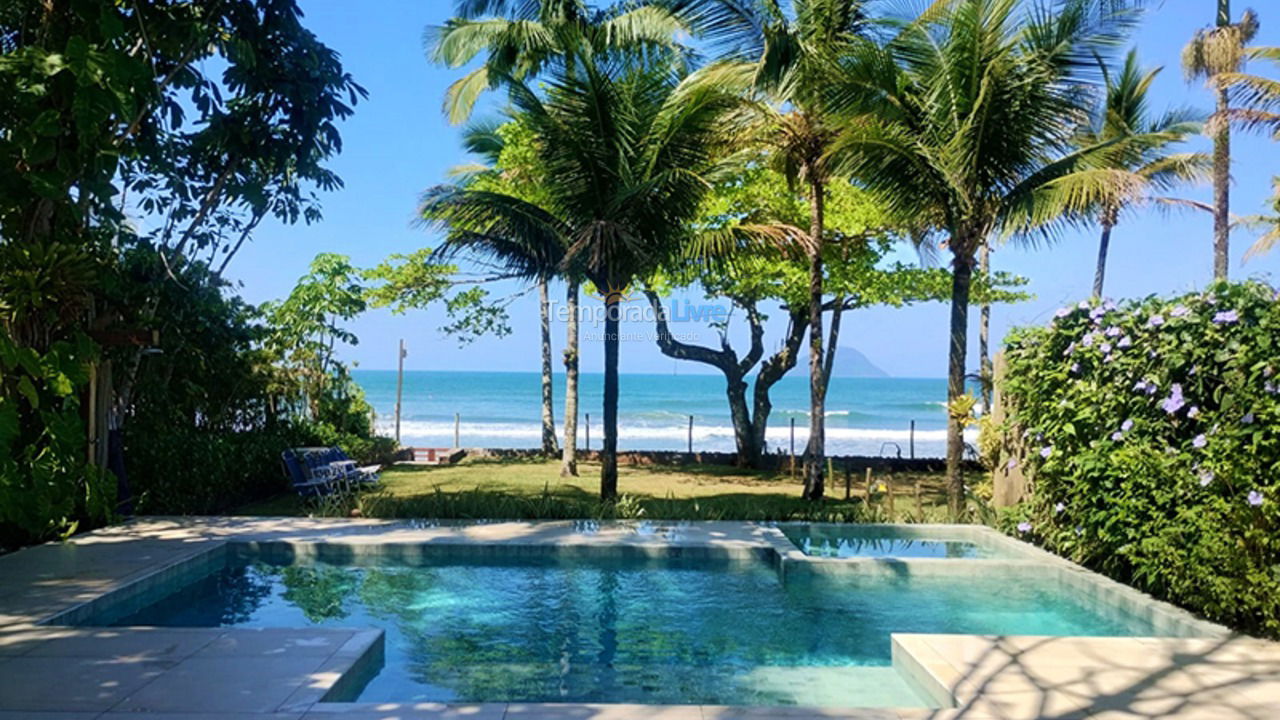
[1100,274]
[816,452]
[962,276]
[985,371]
[609,452]
[1221,189]
[548,409]
[569,459]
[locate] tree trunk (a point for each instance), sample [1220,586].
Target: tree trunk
[1221,191]
[549,446]
[816,452]
[1101,272]
[771,372]
[609,453]
[569,460]
[961,277]
[985,371]
[726,360]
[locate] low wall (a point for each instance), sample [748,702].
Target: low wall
[840,463]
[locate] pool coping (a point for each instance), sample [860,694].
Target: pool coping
[194,545]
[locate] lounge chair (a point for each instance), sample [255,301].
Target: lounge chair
[318,471]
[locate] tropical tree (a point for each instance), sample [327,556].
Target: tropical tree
[521,39]
[1257,108]
[961,121]
[1140,160]
[1212,53]
[788,55]
[628,148]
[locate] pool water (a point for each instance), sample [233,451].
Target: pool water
[670,631]
[859,542]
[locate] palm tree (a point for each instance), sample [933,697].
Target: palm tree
[512,173]
[1139,160]
[1257,109]
[628,148]
[960,122]
[1211,53]
[789,56]
[520,39]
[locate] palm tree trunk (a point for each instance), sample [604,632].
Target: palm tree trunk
[816,452]
[1221,190]
[961,277]
[985,370]
[549,446]
[609,453]
[1100,274]
[569,460]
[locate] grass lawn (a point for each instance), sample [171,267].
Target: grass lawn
[533,489]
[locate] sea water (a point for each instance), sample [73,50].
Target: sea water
[865,416]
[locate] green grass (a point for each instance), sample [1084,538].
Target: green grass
[533,489]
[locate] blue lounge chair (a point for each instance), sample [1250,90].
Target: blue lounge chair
[318,471]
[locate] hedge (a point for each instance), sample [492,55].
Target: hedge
[1152,441]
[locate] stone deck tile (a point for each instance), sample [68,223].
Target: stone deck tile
[1030,677]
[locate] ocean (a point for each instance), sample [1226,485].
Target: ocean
[865,416]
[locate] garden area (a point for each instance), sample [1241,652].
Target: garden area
[1097,473]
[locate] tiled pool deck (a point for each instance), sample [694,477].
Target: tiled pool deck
[50,670]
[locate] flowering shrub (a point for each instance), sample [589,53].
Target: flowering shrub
[1152,436]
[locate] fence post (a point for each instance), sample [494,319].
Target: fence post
[793,448]
[588,432]
[690,434]
[913,440]
[457,430]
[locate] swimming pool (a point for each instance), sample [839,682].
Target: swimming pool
[895,541]
[517,627]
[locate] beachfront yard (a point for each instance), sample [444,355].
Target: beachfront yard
[534,489]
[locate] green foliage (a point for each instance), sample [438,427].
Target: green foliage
[1154,451]
[46,483]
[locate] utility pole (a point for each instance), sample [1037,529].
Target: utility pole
[399,388]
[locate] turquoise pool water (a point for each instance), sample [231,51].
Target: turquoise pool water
[678,631]
[851,542]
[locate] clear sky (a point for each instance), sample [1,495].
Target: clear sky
[398,144]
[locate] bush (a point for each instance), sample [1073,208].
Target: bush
[1153,446]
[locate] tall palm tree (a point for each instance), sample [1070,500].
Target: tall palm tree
[628,147]
[512,173]
[1257,108]
[960,121]
[1140,160]
[1213,52]
[789,54]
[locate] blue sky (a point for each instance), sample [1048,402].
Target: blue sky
[398,144]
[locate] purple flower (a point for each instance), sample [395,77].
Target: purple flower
[1174,402]
[1097,313]
[1089,340]
[1155,321]
[1226,317]
[1024,527]
[1194,412]
[1075,368]
[1062,312]
[1105,347]
[1046,451]
[1112,331]
[1059,508]
[1255,498]
[1124,342]
[1247,419]
[1179,311]
[1109,304]
[1083,304]
[1127,425]
[1070,349]
[1117,436]
[1270,387]
[1206,477]
[1200,441]
[1013,463]
[1140,386]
